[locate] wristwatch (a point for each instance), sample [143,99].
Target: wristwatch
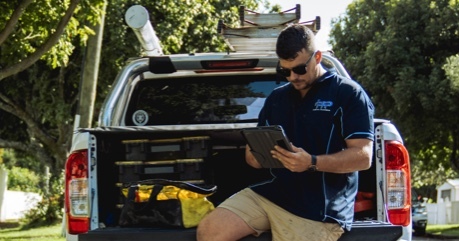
[313,167]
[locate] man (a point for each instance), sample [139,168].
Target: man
[329,120]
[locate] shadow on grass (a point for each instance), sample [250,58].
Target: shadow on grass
[8,227]
[5,225]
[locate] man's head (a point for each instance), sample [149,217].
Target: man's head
[293,40]
[299,61]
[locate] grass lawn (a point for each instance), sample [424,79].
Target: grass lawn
[446,230]
[13,232]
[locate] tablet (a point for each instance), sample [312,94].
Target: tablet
[262,140]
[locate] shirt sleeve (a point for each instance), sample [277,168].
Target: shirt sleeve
[358,113]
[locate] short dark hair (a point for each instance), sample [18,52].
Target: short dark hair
[293,39]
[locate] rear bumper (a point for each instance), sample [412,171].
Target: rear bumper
[361,231]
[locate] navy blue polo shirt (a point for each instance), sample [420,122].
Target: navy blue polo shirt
[333,110]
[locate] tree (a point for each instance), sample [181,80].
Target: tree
[452,75]
[42,51]
[37,42]
[397,50]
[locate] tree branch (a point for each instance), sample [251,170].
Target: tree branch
[53,39]
[9,105]
[13,145]
[33,127]
[31,148]
[9,26]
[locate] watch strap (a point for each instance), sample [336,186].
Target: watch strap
[313,160]
[313,167]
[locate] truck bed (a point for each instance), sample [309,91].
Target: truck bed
[222,152]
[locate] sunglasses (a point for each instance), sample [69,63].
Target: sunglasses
[300,69]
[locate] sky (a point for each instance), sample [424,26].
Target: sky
[326,9]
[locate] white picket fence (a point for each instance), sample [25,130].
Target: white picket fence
[443,213]
[14,204]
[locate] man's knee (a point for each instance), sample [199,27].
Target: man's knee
[204,229]
[222,224]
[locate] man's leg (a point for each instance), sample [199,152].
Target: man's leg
[238,216]
[222,225]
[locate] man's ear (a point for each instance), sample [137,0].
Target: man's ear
[318,57]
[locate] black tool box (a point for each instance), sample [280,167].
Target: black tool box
[175,159]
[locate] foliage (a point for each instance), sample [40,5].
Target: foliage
[13,158]
[49,209]
[22,179]
[39,21]
[452,72]
[21,175]
[38,94]
[401,64]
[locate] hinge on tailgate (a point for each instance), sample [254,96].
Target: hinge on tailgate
[92,152]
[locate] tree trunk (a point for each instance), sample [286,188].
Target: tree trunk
[90,73]
[455,150]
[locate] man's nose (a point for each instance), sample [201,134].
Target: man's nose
[293,75]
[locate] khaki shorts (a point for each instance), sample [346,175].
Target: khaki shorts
[262,215]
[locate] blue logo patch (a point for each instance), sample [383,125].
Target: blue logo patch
[322,105]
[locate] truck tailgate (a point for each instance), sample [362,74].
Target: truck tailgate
[360,231]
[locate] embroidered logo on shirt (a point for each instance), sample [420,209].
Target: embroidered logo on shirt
[322,105]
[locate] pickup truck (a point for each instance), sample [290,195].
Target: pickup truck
[180,117]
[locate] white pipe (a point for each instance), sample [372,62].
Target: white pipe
[138,19]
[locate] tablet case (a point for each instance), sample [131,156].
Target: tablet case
[262,140]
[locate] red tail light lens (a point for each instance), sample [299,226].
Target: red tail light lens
[77,192]
[398,183]
[229,64]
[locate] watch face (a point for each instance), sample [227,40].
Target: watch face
[312,168]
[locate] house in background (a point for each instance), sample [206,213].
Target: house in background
[448,192]
[446,210]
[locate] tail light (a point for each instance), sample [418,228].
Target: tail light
[229,66]
[77,192]
[398,183]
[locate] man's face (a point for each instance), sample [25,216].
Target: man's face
[300,80]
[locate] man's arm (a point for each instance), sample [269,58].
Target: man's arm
[357,156]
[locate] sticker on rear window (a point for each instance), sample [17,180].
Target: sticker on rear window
[140,118]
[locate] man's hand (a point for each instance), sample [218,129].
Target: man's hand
[357,156]
[297,161]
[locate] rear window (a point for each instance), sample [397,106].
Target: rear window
[202,100]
